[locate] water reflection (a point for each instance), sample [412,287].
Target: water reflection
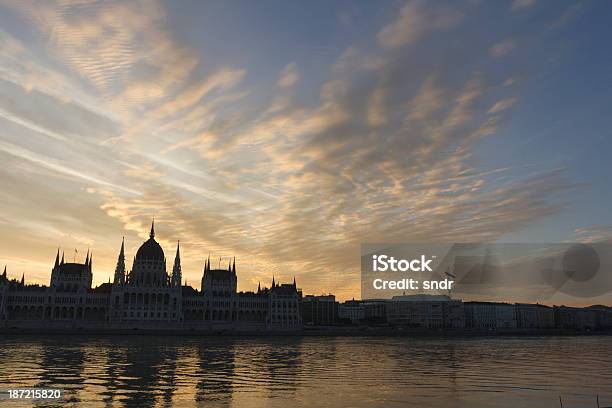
[138,371]
[215,372]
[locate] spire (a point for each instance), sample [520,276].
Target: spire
[87,258]
[258,287]
[176,270]
[294,285]
[273,281]
[229,266]
[62,261]
[152,233]
[234,266]
[56,259]
[4,274]
[90,259]
[23,279]
[120,268]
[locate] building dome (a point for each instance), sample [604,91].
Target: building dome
[150,249]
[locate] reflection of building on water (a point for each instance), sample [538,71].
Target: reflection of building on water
[147,297]
[215,373]
[63,367]
[150,375]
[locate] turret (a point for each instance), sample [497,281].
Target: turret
[176,270]
[56,259]
[120,268]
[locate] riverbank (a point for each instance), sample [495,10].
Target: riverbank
[310,331]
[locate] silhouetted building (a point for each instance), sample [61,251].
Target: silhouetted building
[426,311]
[147,297]
[534,316]
[574,318]
[603,316]
[489,315]
[375,311]
[319,310]
[351,311]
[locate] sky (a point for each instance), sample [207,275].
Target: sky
[287,134]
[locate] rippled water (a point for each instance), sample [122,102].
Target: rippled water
[137,371]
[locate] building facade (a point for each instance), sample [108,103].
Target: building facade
[490,315]
[148,297]
[319,310]
[534,316]
[426,311]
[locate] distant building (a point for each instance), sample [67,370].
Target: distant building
[352,311]
[574,318]
[146,297]
[319,310]
[534,316]
[603,316]
[375,311]
[427,311]
[489,315]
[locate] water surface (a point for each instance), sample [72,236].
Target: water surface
[140,371]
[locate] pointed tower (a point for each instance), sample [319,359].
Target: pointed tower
[56,259]
[23,279]
[206,270]
[176,270]
[273,282]
[62,261]
[120,268]
[294,285]
[87,258]
[234,266]
[258,287]
[152,233]
[4,274]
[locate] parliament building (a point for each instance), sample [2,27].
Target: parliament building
[147,297]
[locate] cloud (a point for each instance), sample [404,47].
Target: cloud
[58,167]
[288,76]
[416,19]
[502,105]
[511,81]
[522,4]
[385,148]
[594,233]
[502,48]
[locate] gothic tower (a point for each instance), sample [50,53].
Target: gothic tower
[120,268]
[176,270]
